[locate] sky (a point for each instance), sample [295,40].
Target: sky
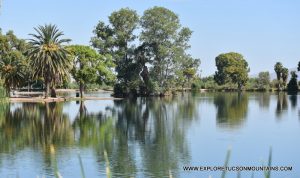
[263,31]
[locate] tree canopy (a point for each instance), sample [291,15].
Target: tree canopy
[48,55]
[150,60]
[88,66]
[231,67]
[12,60]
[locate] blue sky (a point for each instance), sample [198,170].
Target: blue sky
[264,31]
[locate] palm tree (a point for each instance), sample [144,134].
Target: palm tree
[48,56]
[12,71]
[278,69]
[285,74]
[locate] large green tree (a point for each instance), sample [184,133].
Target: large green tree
[162,29]
[149,61]
[89,66]
[48,55]
[231,67]
[116,41]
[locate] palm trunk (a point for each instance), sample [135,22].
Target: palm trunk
[47,84]
[47,88]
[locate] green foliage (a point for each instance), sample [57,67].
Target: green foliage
[48,56]
[186,71]
[159,62]
[278,69]
[205,83]
[293,85]
[12,70]
[12,60]
[285,74]
[282,75]
[231,67]
[263,81]
[2,92]
[89,67]
[114,41]
[161,27]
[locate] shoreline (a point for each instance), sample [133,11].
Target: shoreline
[58,99]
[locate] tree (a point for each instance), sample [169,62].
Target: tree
[12,70]
[88,66]
[84,65]
[152,65]
[115,41]
[231,67]
[162,29]
[278,68]
[48,55]
[284,75]
[263,81]
[293,84]
[12,60]
[187,71]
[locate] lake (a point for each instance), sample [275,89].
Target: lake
[151,137]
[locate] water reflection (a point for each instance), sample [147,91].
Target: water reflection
[263,99]
[154,128]
[231,108]
[159,128]
[282,104]
[142,136]
[293,100]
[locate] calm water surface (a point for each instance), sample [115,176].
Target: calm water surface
[151,137]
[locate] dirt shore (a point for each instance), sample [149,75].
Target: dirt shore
[58,99]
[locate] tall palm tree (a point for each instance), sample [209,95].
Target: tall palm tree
[47,54]
[278,69]
[12,71]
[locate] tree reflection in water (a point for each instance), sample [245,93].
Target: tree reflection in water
[159,128]
[144,135]
[282,104]
[263,99]
[231,108]
[293,100]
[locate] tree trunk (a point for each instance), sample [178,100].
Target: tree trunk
[47,82]
[53,92]
[47,87]
[240,87]
[81,89]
